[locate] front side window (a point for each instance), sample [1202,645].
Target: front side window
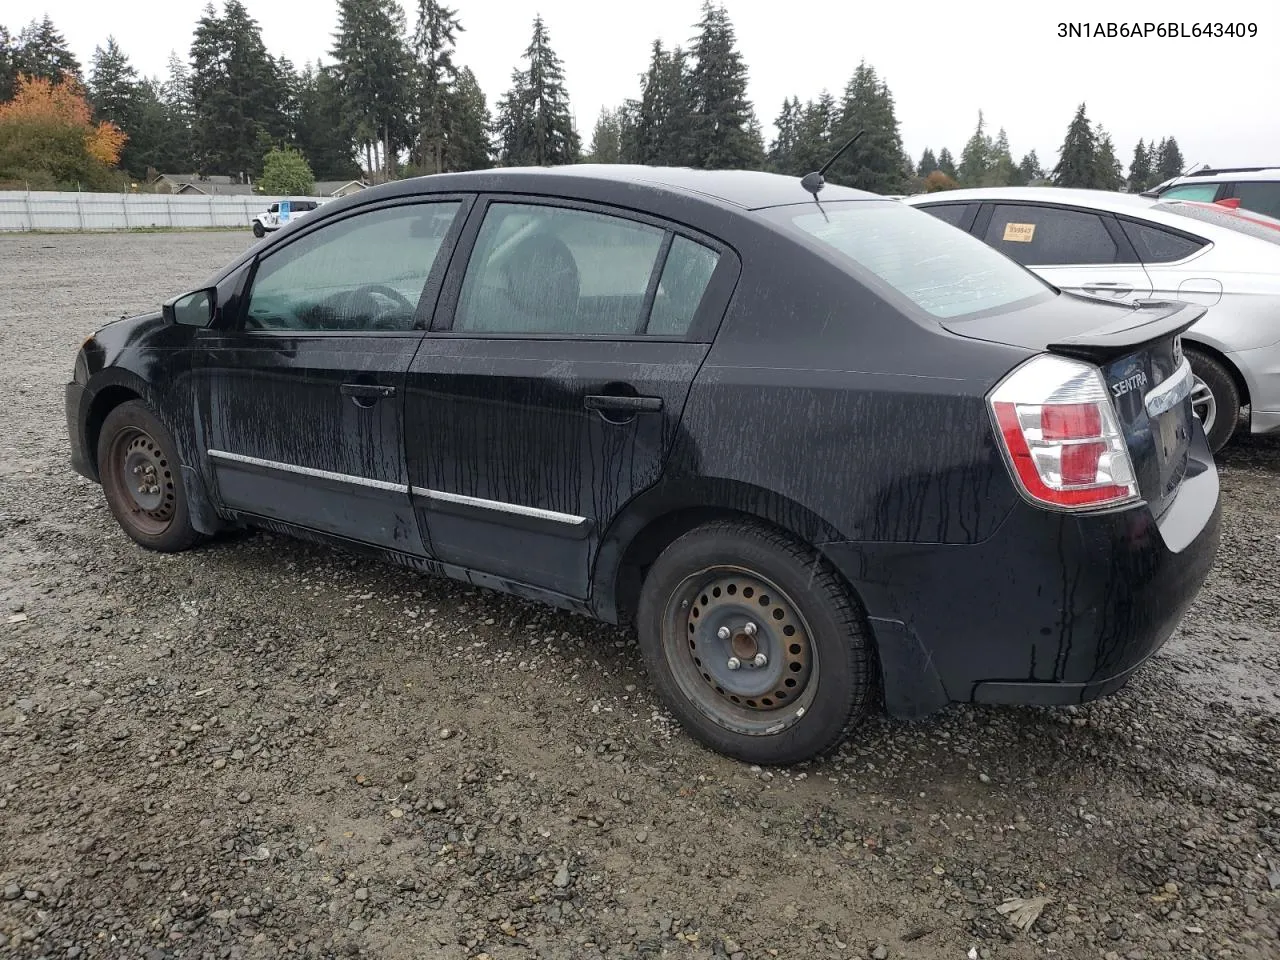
[1191,191]
[363,273]
[1050,236]
[1259,196]
[942,270]
[540,269]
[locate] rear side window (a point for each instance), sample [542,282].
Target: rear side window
[553,270]
[1259,196]
[684,280]
[947,212]
[1050,236]
[944,271]
[1159,246]
[1191,191]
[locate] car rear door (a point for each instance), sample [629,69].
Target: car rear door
[1082,251]
[551,387]
[303,400]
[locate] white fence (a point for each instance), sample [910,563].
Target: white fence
[41,210]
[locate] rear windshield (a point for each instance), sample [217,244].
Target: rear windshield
[941,269]
[1225,218]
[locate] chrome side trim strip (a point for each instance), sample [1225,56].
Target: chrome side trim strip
[1172,392]
[309,471]
[500,506]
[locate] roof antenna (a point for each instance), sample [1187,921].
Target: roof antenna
[813,182]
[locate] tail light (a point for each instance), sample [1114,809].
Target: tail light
[1061,436]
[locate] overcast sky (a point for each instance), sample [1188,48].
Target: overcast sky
[943,61]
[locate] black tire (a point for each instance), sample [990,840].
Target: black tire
[1226,398]
[824,669]
[259,230]
[135,444]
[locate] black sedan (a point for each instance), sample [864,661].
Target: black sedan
[823,450]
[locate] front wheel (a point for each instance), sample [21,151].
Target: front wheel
[138,467]
[755,644]
[1215,398]
[259,230]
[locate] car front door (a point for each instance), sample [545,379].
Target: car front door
[550,390]
[1074,249]
[303,400]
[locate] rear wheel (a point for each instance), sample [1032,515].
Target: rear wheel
[138,467]
[755,644]
[1215,398]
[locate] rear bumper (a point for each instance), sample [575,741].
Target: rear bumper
[1051,609]
[77,400]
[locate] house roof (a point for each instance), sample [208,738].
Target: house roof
[325,188]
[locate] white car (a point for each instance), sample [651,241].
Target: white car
[280,213]
[1123,247]
[1246,188]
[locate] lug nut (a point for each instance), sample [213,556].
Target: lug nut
[749,629]
[734,663]
[760,660]
[723,633]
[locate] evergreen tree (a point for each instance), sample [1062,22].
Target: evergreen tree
[947,164]
[1000,172]
[782,150]
[178,152]
[814,134]
[372,68]
[1078,160]
[928,163]
[433,44]
[234,92]
[874,163]
[324,130]
[721,134]
[156,135]
[1140,169]
[117,96]
[1029,169]
[42,51]
[606,139]
[535,126]
[282,124]
[976,158]
[469,126]
[1110,173]
[8,64]
[1169,162]
[657,128]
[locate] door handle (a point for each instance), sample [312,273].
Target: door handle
[366,394]
[1108,286]
[615,403]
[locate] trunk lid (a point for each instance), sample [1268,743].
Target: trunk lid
[1138,349]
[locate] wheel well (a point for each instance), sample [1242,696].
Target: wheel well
[106,400]
[660,533]
[1230,367]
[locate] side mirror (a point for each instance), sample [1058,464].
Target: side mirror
[192,309]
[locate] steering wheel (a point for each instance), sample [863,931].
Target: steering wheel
[355,300]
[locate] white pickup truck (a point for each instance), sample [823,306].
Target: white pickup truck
[280,213]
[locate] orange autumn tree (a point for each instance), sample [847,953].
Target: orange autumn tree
[48,137]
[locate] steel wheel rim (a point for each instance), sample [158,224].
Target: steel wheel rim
[143,474]
[1203,404]
[705,625]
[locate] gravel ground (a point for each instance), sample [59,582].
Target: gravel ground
[263,748]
